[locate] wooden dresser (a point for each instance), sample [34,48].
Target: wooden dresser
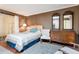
[63,36]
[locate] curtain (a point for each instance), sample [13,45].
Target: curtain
[16,24]
[8,24]
[1,24]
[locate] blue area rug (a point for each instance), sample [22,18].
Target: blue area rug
[42,48]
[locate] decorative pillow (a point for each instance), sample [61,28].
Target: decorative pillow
[33,30]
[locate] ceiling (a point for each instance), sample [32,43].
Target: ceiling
[32,9]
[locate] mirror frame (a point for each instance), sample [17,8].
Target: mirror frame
[68,13]
[56,14]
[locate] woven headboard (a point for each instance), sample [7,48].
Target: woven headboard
[39,27]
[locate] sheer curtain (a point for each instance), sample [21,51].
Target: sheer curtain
[11,24]
[1,24]
[16,24]
[8,24]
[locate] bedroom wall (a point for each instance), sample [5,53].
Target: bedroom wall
[45,18]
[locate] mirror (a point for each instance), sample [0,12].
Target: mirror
[68,20]
[56,21]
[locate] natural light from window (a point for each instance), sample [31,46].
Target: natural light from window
[56,22]
[68,22]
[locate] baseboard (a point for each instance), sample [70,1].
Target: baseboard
[57,42]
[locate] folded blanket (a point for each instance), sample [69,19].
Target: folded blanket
[67,50]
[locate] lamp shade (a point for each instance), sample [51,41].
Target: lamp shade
[24,25]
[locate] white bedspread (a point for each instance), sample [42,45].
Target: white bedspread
[21,39]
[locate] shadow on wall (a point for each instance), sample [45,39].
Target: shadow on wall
[28,22]
[77,39]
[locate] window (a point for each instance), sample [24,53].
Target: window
[56,22]
[68,20]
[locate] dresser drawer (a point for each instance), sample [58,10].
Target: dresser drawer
[63,36]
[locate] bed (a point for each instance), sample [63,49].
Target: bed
[20,40]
